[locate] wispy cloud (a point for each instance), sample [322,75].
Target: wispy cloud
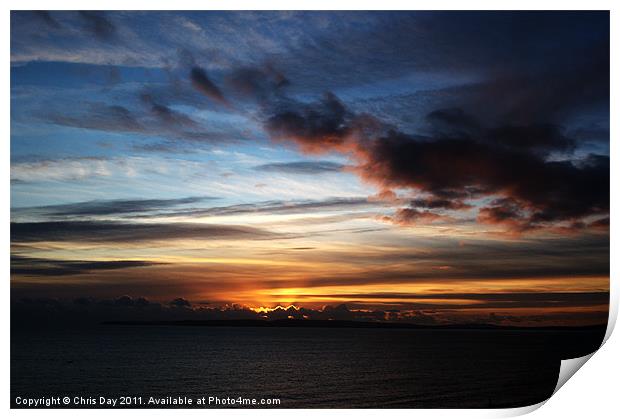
[156,119]
[118,232]
[275,207]
[28,266]
[81,168]
[108,207]
[62,169]
[301,167]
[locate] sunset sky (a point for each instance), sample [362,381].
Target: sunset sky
[419,166]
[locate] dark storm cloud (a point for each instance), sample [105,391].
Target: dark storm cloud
[516,150]
[203,83]
[27,266]
[475,150]
[541,138]
[317,127]
[538,137]
[98,24]
[117,232]
[302,167]
[108,207]
[453,122]
[509,161]
[548,190]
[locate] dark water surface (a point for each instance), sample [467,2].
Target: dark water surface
[304,367]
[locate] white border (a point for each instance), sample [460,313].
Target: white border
[592,393]
[312,5]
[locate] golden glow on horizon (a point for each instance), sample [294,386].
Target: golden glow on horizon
[321,261]
[270,309]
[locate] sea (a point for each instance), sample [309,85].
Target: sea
[297,366]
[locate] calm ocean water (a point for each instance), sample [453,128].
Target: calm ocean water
[304,367]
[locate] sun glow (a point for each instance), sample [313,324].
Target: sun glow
[270,309]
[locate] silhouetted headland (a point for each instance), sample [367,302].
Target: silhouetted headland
[343,323]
